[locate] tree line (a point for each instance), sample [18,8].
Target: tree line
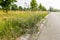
[9,5]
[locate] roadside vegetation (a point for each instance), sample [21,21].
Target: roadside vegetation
[13,25]
[17,21]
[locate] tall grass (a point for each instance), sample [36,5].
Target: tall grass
[17,24]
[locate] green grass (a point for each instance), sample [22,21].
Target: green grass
[15,24]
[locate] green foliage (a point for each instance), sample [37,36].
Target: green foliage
[33,5]
[53,10]
[5,4]
[24,9]
[20,8]
[42,8]
[14,7]
[50,9]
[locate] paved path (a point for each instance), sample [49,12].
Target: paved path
[52,29]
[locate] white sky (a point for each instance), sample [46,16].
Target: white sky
[46,3]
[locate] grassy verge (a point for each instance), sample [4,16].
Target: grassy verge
[15,24]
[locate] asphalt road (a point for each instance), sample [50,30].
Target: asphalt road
[51,31]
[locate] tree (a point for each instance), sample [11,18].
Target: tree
[5,4]
[51,9]
[25,9]
[14,7]
[20,8]
[42,8]
[33,5]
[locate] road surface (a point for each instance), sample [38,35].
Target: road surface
[52,29]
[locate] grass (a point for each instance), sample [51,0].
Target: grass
[17,23]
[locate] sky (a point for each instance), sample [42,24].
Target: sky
[46,3]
